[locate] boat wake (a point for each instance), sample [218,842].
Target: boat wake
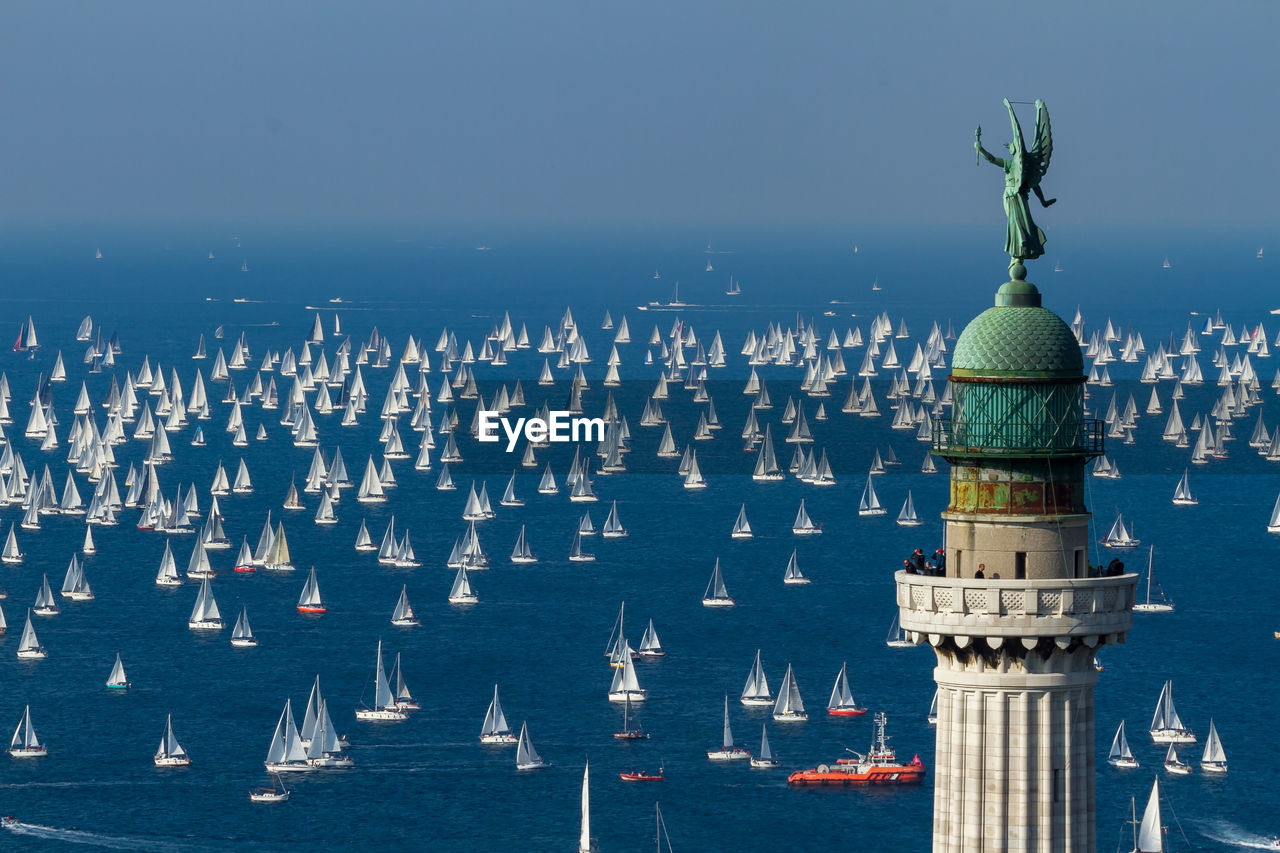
[94,839]
[1226,833]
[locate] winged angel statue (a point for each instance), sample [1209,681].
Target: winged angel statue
[1022,173]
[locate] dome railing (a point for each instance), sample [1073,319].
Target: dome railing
[968,437]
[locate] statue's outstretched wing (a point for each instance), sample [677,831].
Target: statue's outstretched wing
[1019,153]
[1020,145]
[1042,148]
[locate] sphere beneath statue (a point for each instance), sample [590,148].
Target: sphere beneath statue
[1017,271]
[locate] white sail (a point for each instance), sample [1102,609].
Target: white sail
[1213,758]
[1166,725]
[495,721]
[907,517]
[870,503]
[310,599]
[626,685]
[242,634]
[117,677]
[756,690]
[741,527]
[461,592]
[24,742]
[584,833]
[205,612]
[793,575]
[1120,752]
[716,594]
[527,757]
[841,696]
[650,646]
[789,705]
[29,646]
[169,746]
[1151,831]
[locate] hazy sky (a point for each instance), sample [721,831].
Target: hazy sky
[682,112]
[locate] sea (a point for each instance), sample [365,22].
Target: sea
[540,631]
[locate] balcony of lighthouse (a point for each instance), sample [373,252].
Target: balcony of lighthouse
[975,618]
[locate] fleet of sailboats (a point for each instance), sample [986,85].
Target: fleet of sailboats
[162,408]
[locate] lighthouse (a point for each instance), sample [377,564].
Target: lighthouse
[1020,613]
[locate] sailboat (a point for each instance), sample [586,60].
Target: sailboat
[1166,725]
[803,525]
[932,716]
[277,793]
[205,615]
[841,703]
[870,504]
[765,761]
[793,576]
[650,646]
[171,753]
[789,708]
[29,647]
[907,517]
[309,601]
[1160,604]
[1175,765]
[460,592]
[576,554]
[1213,759]
[522,553]
[586,844]
[897,638]
[629,731]
[24,743]
[402,616]
[11,555]
[242,635]
[45,605]
[168,573]
[625,686]
[1182,494]
[1118,538]
[755,693]
[384,704]
[613,528]
[404,699]
[716,595]
[286,753]
[1120,754]
[727,751]
[527,757]
[741,527]
[509,496]
[495,730]
[117,679]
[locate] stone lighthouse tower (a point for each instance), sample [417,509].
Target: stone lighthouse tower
[1015,646]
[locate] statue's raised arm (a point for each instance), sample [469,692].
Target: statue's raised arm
[1023,170]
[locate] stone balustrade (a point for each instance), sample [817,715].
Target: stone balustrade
[1099,609]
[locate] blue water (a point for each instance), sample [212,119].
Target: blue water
[540,630]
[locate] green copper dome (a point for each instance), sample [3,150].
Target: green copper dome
[1018,338]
